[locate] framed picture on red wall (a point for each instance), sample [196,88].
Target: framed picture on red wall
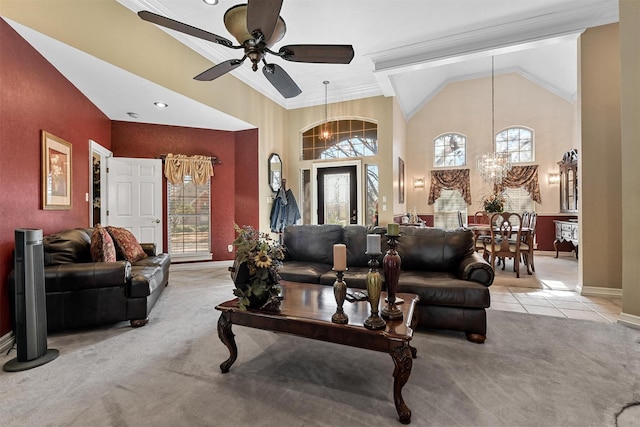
[56,172]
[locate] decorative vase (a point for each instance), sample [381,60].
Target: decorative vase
[374,286]
[391,263]
[340,293]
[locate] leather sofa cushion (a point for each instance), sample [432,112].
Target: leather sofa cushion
[441,288]
[355,238]
[303,271]
[67,247]
[434,249]
[88,275]
[145,280]
[312,243]
[354,277]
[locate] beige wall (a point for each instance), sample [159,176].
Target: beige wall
[630,83]
[380,110]
[600,197]
[465,107]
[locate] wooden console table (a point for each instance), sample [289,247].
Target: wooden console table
[306,311]
[566,231]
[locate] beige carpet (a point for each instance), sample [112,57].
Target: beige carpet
[532,371]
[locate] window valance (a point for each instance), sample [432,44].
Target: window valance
[522,176]
[451,179]
[177,166]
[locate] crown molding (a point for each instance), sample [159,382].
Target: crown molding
[494,39]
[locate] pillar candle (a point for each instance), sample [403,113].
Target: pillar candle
[393,229]
[373,243]
[339,257]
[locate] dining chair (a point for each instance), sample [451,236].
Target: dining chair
[506,241]
[530,237]
[480,217]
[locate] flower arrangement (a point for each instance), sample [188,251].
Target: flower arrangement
[258,259]
[494,203]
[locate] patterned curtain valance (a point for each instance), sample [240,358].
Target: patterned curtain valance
[452,179]
[522,176]
[177,166]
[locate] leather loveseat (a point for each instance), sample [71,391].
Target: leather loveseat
[440,266]
[81,293]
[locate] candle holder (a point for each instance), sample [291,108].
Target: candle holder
[374,286]
[340,292]
[391,265]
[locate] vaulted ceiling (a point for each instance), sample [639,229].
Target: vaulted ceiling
[409,49]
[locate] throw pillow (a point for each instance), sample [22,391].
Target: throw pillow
[127,246]
[102,247]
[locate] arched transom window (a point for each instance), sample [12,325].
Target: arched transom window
[349,138]
[517,141]
[450,149]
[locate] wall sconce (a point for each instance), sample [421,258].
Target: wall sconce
[553,179]
[418,182]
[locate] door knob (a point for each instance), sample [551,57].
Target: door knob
[157,221]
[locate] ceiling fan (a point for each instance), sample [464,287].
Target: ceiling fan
[258,25]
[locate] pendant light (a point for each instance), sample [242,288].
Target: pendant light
[493,167]
[325,129]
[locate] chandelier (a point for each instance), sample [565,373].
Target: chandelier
[325,129]
[493,167]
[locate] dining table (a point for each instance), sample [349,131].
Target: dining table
[484,230]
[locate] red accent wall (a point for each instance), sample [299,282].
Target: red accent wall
[234,186]
[34,96]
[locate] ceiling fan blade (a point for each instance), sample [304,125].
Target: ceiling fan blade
[317,53]
[183,28]
[218,70]
[281,80]
[263,15]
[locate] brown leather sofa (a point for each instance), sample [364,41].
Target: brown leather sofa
[81,293]
[440,266]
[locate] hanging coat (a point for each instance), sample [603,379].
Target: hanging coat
[284,211]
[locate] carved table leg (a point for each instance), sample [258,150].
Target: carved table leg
[555,246]
[227,337]
[402,358]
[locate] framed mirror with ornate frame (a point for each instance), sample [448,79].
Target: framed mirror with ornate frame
[275,172]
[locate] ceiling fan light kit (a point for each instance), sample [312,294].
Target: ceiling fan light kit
[257,25]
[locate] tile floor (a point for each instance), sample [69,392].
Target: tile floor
[550,291]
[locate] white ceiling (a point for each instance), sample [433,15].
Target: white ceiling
[409,49]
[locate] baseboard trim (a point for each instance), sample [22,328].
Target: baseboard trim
[199,265]
[629,320]
[599,292]
[6,342]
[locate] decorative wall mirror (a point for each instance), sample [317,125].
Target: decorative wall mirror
[275,172]
[569,181]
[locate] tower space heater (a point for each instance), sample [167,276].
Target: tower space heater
[30,311]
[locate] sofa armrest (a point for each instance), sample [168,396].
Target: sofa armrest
[149,248]
[86,275]
[475,268]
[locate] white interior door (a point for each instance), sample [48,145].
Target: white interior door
[134,197]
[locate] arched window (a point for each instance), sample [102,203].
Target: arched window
[450,149]
[517,141]
[349,138]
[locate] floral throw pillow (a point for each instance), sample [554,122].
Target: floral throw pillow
[102,247]
[127,246]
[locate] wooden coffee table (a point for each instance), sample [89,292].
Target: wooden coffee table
[306,311]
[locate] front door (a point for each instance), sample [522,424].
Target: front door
[134,197]
[337,195]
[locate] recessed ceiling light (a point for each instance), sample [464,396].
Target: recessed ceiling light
[161,104]
[211,2]
[132,114]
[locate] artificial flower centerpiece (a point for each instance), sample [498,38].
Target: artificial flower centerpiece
[255,270]
[494,203]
